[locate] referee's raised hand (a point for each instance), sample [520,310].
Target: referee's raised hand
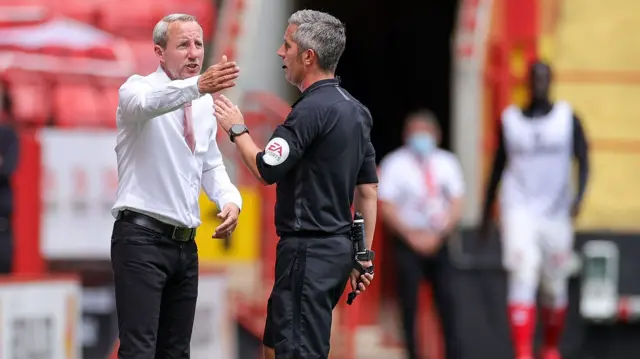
[219,76]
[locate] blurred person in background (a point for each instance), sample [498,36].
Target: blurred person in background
[166,152]
[537,206]
[421,190]
[323,162]
[8,162]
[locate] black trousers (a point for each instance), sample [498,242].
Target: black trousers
[412,269]
[156,284]
[6,245]
[310,276]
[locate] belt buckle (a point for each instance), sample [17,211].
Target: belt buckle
[173,235]
[186,239]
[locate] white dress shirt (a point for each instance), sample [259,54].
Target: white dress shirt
[158,175]
[403,183]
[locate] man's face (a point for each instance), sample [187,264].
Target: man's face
[419,126]
[540,81]
[421,136]
[291,58]
[182,57]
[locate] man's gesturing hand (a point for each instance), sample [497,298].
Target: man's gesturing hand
[227,113]
[218,77]
[229,216]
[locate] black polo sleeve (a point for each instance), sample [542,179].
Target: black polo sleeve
[9,147]
[287,146]
[368,171]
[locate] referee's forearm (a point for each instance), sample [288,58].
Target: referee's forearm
[366,202]
[248,151]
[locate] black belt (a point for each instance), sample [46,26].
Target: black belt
[176,233]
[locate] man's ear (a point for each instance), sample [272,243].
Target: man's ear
[159,51]
[308,56]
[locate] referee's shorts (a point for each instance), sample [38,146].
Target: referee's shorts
[311,275]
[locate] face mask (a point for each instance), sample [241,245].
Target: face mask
[422,143]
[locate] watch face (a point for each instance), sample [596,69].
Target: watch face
[238,129]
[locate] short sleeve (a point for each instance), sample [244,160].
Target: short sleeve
[286,146]
[368,172]
[455,183]
[391,184]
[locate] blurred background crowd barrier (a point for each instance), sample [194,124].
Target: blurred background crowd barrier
[62,61]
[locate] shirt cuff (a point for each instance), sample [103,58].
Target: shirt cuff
[190,89]
[235,199]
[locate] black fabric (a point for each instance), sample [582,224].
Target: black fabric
[9,150]
[327,135]
[6,245]
[173,232]
[156,285]
[581,153]
[310,277]
[412,269]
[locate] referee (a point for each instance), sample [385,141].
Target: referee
[322,160]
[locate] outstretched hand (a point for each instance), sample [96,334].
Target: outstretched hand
[229,216]
[219,77]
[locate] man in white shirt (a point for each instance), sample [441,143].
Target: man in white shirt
[166,151]
[421,190]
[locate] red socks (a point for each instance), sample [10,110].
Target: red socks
[553,326]
[522,319]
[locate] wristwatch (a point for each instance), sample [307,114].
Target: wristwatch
[237,130]
[365,256]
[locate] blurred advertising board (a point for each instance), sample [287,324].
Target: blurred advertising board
[39,319]
[214,328]
[78,190]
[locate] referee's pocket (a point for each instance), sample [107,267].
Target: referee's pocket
[286,276]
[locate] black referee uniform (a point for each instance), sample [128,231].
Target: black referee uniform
[316,157]
[9,147]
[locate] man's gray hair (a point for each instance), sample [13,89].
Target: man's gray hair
[162,27]
[322,33]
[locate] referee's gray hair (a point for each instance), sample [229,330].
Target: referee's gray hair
[162,27]
[322,33]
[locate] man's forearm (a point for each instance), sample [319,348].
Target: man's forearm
[138,102]
[366,202]
[392,220]
[455,213]
[219,189]
[248,152]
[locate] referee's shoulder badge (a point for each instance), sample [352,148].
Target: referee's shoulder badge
[276,151]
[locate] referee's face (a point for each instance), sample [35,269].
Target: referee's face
[291,58]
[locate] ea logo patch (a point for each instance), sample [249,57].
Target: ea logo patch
[276,152]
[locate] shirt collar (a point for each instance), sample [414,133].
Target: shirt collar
[316,85]
[162,76]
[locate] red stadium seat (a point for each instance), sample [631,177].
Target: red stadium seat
[146,60]
[75,105]
[23,12]
[203,10]
[135,20]
[82,10]
[108,104]
[31,102]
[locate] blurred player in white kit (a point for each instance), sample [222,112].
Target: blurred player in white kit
[537,207]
